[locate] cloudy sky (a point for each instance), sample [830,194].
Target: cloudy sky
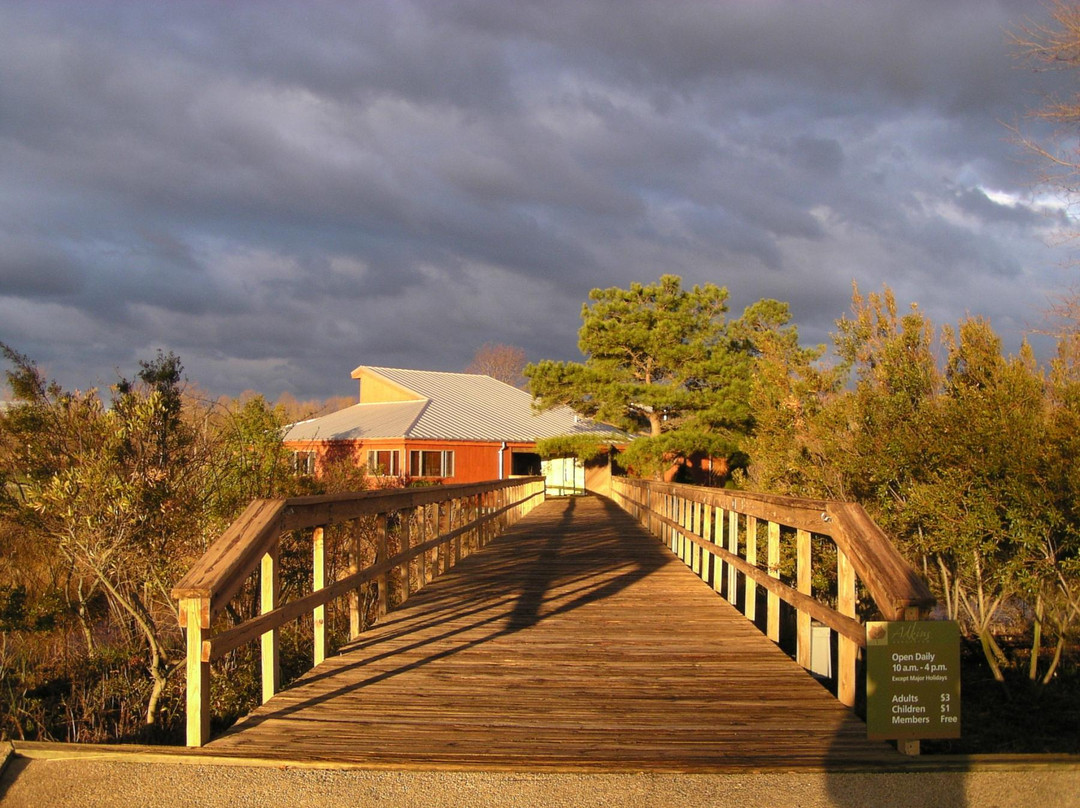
[281,191]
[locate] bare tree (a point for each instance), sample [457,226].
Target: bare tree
[1054,45]
[502,362]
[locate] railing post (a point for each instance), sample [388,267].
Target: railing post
[718,538]
[707,535]
[489,525]
[354,567]
[476,509]
[195,614]
[732,538]
[405,538]
[675,534]
[750,585]
[318,581]
[696,529]
[802,583]
[269,587]
[460,540]
[733,573]
[442,520]
[683,505]
[847,650]
[421,560]
[382,531]
[773,613]
[664,533]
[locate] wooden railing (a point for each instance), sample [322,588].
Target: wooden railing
[434,527]
[716,532]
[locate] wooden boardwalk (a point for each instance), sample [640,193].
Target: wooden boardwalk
[573,642]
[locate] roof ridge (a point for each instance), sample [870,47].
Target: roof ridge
[430,372]
[416,420]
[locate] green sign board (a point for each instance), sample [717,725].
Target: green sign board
[913,680]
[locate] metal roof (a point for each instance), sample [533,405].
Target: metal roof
[360,422]
[457,406]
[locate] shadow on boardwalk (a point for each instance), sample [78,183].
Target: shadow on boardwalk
[573,641]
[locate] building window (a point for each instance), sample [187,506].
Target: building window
[525,464]
[431,464]
[384,462]
[303,463]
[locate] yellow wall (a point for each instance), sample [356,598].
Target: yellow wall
[376,390]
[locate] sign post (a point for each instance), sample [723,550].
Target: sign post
[912,680]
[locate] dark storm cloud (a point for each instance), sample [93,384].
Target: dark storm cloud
[282,191]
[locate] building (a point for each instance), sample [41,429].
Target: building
[443,427]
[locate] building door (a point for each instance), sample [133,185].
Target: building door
[565,476]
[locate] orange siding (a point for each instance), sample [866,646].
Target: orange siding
[473,461]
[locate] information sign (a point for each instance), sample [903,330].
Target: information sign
[913,680]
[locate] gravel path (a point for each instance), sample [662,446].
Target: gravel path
[72,782]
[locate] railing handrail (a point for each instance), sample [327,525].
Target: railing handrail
[220,572]
[231,638]
[251,544]
[890,580]
[708,528]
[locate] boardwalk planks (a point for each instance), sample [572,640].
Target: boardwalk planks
[575,641]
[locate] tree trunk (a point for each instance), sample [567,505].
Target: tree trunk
[987,642]
[159,672]
[982,617]
[83,615]
[656,424]
[1055,661]
[1036,641]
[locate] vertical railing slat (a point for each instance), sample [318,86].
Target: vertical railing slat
[318,581]
[773,611]
[847,650]
[354,567]
[803,580]
[382,543]
[269,586]
[718,539]
[707,535]
[405,537]
[733,573]
[750,596]
[732,537]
